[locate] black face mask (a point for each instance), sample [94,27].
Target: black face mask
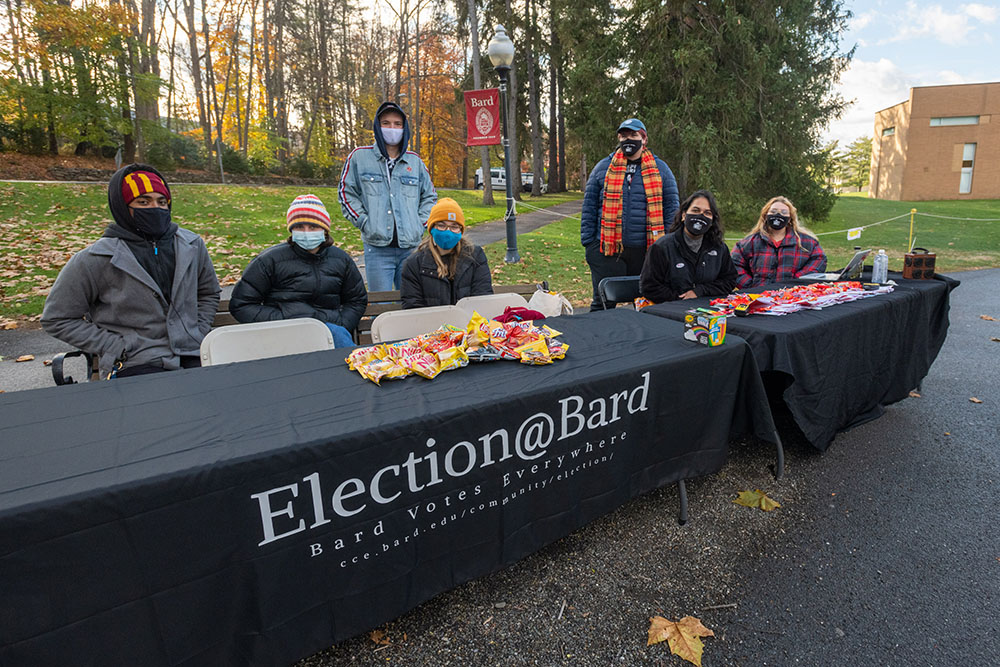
[697,224]
[630,147]
[151,222]
[776,221]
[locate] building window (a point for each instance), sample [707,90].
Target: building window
[968,158]
[955,120]
[888,132]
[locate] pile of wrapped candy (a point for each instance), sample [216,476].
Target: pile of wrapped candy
[449,347]
[800,297]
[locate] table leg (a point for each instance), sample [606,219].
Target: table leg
[779,468]
[682,490]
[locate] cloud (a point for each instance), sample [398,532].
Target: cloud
[950,27]
[860,21]
[983,13]
[872,86]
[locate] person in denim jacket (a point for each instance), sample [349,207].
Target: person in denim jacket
[387,193]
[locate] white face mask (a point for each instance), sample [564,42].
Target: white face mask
[308,240]
[392,135]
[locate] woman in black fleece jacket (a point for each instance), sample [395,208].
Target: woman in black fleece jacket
[692,259]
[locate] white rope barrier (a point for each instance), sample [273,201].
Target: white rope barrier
[948,217]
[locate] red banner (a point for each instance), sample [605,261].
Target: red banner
[482,115]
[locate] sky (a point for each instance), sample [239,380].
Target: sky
[906,43]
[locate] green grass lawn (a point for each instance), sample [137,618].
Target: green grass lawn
[552,253]
[42,225]
[959,244]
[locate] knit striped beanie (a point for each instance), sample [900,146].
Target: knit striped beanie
[140,183]
[308,208]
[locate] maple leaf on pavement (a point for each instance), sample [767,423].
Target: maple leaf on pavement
[757,499]
[682,636]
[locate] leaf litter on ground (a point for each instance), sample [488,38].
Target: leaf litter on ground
[683,636]
[757,499]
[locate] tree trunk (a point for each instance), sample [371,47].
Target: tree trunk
[192,31]
[561,80]
[554,58]
[515,148]
[211,96]
[484,152]
[253,35]
[534,112]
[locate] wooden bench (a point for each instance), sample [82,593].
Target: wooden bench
[378,303]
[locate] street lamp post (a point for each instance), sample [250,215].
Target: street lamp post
[501,52]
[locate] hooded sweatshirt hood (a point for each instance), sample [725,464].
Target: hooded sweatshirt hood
[156,256]
[116,202]
[379,140]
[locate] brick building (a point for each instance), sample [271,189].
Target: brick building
[942,143]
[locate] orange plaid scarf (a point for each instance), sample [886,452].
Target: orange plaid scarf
[611,209]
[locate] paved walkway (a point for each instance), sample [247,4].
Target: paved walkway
[496,230]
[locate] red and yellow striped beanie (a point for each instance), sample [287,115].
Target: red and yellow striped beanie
[308,208]
[140,183]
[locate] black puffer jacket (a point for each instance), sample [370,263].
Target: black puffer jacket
[672,268]
[422,287]
[285,282]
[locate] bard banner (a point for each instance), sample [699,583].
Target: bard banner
[482,112]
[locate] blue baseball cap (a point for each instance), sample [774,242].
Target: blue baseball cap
[632,124]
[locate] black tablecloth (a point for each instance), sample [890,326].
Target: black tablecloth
[257,512]
[846,361]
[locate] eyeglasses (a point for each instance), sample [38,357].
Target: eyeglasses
[444,226]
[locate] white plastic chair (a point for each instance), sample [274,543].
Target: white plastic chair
[261,340]
[402,324]
[491,305]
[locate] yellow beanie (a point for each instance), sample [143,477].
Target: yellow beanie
[446,209]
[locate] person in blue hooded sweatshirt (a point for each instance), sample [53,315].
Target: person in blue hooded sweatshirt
[386,192]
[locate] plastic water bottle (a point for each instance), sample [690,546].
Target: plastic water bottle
[880,268]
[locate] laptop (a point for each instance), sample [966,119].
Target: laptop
[851,272]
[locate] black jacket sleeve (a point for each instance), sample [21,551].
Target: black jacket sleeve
[353,299]
[482,282]
[411,290]
[654,280]
[247,302]
[726,279]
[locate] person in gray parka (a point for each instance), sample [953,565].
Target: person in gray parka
[144,295]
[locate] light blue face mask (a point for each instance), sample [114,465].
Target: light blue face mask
[308,240]
[445,238]
[392,135]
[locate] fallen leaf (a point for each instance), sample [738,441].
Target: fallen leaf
[995,339]
[379,637]
[682,636]
[973,399]
[987,318]
[7,325]
[756,499]
[914,394]
[25,357]
[947,432]
[47,362]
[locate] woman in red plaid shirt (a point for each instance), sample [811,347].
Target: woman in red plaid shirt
[777,249]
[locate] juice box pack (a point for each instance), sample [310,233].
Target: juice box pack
[705,326]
